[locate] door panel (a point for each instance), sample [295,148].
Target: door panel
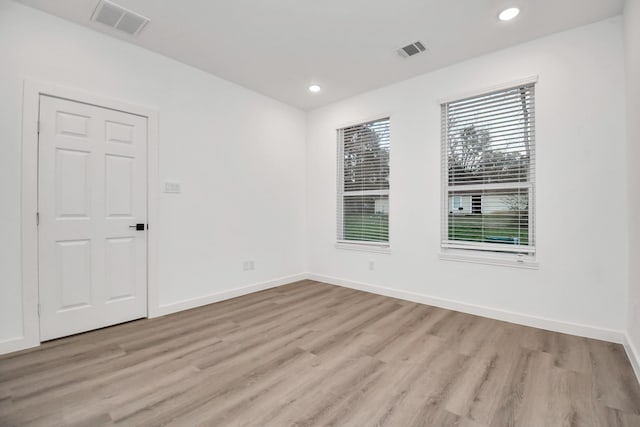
[119,176]
[119,132]
[72,124]
[120,268]
[73,184]
[73,283]
[92,187]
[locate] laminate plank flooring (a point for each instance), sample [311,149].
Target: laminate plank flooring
[312,354]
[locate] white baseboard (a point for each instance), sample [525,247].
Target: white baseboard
[586,331]
[634,356]
[16,344]
[224,295]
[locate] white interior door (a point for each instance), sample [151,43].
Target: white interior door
[91,189]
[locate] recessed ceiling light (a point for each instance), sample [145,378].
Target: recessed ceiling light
[509,14]
[314,88]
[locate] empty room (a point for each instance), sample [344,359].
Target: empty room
[320,213]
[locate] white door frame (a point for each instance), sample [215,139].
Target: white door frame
[29,251]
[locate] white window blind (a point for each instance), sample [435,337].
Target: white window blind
[363,183]
[488,167]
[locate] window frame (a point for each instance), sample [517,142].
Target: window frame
[481,252]
[365,245]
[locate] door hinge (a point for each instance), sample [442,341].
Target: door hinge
[38,310]
[38,127]
[37,218]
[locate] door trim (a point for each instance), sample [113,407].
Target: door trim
[33,89]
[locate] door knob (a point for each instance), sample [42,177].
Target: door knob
[138,227]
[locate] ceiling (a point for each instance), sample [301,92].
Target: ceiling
[280,47]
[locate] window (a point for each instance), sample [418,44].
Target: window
[488,157]
[457,204]
[476,204]
[363,183]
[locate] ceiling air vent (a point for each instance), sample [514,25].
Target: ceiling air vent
[412,49]
[118,17]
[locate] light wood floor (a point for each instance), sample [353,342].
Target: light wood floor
[311,354]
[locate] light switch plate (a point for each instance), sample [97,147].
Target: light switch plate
[172,187]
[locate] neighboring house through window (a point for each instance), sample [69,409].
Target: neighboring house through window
[363,183]
[488,150]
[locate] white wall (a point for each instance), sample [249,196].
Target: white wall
[581,194]
[632,50]
[239,156]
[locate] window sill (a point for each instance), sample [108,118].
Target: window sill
[365,247]
[503,260]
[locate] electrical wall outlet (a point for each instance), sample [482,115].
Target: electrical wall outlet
[248,265]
